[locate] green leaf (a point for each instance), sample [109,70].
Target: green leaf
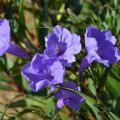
[21,11]
[118,25]
[35,110]
[4,78]
[51,106]
[116,105]
[25,85]
[1,114]
[10,63]
[95,110]
[5,87]
[113,86]
[36,101]
[88,98]
[91,86]
[61,10]
[115,2]
[115,117]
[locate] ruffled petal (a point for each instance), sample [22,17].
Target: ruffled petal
[109,37]
[51,40]
[75,45]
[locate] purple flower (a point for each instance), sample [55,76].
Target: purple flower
[5,43]
[69,98]
[62,44]
[41,72]
[100,48]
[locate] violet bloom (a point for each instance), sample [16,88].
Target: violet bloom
[5,43]
[41,73]
[69,98]
[100,48]
[62,44]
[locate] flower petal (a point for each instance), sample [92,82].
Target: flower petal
[60,104]
[109,37]
[72,104]
[30,74]
[17,51]
[36,62]
[38,86]
[4,36]
[4,30]
[58,71]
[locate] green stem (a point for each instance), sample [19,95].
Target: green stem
[100,89]
[91,73]
[102,82]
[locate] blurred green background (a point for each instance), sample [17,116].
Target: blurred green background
[30,21]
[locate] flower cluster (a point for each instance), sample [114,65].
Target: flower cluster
[48,69]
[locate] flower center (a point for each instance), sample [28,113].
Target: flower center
[60,52]
[49,77]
